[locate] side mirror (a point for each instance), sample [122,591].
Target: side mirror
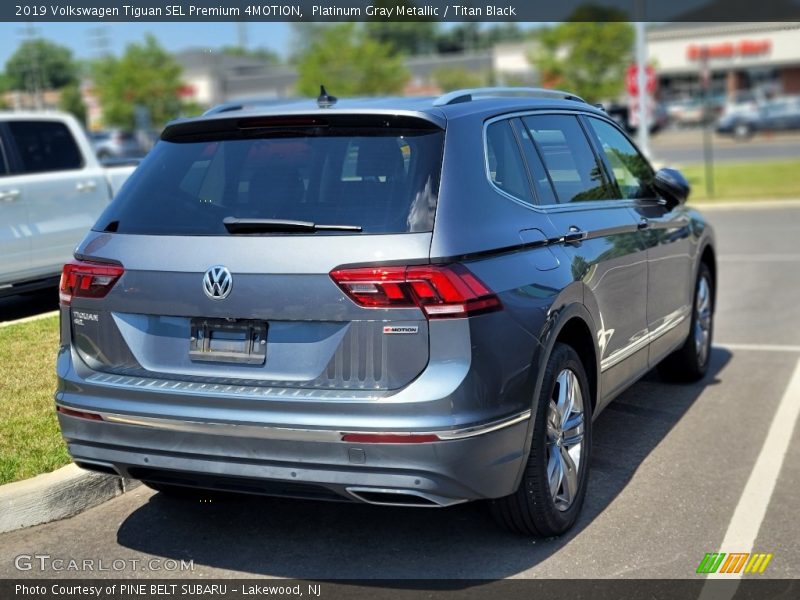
[672,186]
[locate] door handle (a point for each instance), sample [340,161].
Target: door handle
[9,195]
[574,235]
[643,224]
[86,186]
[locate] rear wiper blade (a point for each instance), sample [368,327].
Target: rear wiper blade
[236,225]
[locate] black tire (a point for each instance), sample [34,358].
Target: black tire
[687,363]
[532,509]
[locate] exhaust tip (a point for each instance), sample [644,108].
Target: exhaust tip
[391,497]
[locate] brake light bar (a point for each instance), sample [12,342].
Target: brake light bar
[83,279]
[441,291]
[390,438]
[79,414]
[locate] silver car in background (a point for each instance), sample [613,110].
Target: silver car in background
[413,302]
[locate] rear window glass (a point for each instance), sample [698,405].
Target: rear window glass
[384,183]
[45,146]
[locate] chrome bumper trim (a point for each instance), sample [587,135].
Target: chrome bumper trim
[288,433]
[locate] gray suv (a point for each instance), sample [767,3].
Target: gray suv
[406,302]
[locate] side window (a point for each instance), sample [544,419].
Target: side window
[568,157]
[45,146]
[506,168]
[3,159]
[632,172]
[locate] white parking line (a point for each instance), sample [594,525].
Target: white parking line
[759,347]
[752,507]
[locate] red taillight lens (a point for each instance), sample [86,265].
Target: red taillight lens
[79,414]
[87,280]
[390,438]
[448,291]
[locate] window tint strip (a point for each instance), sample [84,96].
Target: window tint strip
[542,184]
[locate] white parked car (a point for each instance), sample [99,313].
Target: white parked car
[52,189]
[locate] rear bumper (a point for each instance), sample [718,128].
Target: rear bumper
[482,463]
[282,440]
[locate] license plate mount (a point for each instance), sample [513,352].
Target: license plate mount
[228,341]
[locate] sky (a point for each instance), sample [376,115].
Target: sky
[81,38]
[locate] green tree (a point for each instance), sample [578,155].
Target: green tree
[71,101]
[464,37]
[586,55]
[41,63]
[349,62]
[144,76]
[406,37]
[459,78]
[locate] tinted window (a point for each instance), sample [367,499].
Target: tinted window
[568,158]
[3,160]
[385,182]
[45,146]
[631,170]
[506,168]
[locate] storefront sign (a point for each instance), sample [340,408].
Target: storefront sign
[696,52]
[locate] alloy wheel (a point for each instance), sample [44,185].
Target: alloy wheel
[702,326]
[565,431]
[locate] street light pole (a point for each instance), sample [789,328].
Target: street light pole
[641,84]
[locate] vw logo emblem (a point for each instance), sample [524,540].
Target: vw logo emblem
[217,282]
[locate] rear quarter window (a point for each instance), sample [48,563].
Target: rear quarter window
[506,168]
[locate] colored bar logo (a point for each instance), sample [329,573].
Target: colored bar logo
[734,562]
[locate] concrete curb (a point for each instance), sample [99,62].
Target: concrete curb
[57,495]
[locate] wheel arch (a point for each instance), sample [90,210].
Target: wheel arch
[571,324]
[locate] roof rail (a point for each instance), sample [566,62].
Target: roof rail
[468,95]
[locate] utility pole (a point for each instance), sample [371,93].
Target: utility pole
[34,80]
[708,141]
[99,41]
[241,30]
[641,81]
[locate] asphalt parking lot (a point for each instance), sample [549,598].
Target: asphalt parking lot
[678,471]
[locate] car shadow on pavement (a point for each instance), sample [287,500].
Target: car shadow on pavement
[27,305]
[328,540]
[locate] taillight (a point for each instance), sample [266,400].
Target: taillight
[81,279]
[448,291]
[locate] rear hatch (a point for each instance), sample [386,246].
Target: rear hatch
[242,251]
